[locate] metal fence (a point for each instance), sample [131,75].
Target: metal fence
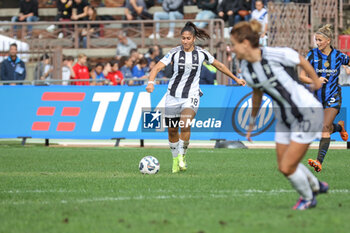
[46,36]
[291,25]
[294,24]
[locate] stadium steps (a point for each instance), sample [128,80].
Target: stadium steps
[7,13]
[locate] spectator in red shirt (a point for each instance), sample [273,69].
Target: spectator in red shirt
[115,76]
[81,71]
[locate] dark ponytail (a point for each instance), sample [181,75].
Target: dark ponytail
[198,33]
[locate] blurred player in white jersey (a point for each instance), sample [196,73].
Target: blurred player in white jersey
[182,99]
[298,112]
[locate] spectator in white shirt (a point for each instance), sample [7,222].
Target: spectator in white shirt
[260,14]
[344,76]
[67,71]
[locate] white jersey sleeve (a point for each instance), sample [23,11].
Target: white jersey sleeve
[167,58]
[284,56]
[291,57]
[208,57]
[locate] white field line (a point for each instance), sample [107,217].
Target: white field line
[217,194]
[43,191]
[18,191]
[209,145]
[274,191]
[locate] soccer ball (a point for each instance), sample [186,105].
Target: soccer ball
[149,165]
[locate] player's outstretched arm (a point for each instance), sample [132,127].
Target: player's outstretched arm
[226,71]
[152,76]
[303,77]
[315,81]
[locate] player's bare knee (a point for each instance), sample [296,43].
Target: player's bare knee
[327,128]
[186,130]
[285,169]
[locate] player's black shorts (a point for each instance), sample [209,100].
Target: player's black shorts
[172,122]
[333,101]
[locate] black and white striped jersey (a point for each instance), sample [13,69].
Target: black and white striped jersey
[186,70]
[276,76]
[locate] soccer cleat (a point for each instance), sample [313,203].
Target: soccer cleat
[343,134]
[323,188]
[176,167]
[182,162]
[305,204]
[315,164]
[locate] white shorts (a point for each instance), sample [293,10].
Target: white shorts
[301,132]
[175,105]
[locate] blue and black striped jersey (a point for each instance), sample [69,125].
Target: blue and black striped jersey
[327,66]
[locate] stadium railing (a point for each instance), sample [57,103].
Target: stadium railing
[111,11]
[46,32]
[46,82]
[102,42]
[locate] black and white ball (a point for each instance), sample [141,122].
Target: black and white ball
[149,165]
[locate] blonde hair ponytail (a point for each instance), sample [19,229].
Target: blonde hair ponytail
[326,31]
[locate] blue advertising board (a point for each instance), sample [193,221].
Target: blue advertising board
[105,112]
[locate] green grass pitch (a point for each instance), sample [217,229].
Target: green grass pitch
[58,189]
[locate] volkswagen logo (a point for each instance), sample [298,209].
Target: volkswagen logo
[242,111]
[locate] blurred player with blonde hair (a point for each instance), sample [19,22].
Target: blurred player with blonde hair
[327,63]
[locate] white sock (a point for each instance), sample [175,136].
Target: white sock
[301,184]
[174,148]
[313,181]
[183,146]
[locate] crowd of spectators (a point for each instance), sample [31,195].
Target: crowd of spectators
[128,67]
[132,69]
[231,11]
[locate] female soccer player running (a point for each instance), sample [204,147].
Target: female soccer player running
[296,109]
[327,62]
[182,99]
